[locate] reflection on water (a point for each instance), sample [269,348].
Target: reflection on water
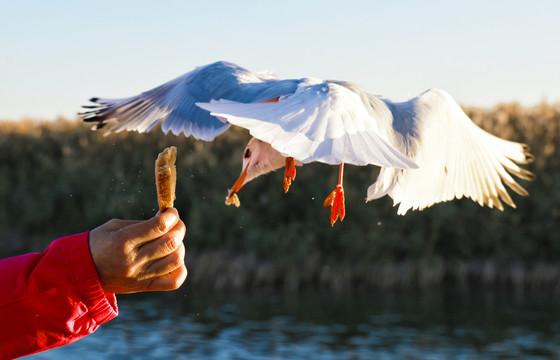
[317,325]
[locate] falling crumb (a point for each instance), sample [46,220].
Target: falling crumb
[233,199]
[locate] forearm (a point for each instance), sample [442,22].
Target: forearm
[51,299]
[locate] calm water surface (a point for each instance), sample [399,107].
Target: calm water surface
[436,324]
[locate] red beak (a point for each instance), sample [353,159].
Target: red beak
[238,184]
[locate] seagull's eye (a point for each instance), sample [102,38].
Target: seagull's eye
[247,153]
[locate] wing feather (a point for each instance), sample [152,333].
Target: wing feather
[321,121]
[173,103]
[456,158]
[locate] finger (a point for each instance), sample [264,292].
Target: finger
[169,281]
[164,245]
[166,264]
[150,229]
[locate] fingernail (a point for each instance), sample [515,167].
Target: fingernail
[169,218]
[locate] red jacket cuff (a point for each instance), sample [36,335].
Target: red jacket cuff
[102,307]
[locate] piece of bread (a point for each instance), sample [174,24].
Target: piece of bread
[232,199]
[166,178]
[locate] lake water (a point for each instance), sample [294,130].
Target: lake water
[271,324]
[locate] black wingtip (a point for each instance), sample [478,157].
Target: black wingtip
[92,119]
[98,126]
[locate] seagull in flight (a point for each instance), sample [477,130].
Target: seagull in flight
[428,149]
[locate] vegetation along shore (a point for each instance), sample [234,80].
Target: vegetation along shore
[59,177]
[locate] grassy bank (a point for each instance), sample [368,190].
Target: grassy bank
[220,270]
[59,177]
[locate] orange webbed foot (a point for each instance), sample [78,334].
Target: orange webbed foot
[289,173]
[336,201]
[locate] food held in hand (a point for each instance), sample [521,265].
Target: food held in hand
[166,178]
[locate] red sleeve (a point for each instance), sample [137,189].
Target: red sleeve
[51,299]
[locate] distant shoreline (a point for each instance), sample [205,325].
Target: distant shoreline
[62,178]
[219,270]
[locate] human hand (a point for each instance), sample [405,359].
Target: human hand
[132,256]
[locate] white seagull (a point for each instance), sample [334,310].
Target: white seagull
[428,149]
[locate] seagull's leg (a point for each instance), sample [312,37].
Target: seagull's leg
[336,199]
[275,100]
[289,173]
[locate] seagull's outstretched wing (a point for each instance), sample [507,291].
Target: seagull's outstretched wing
[173,103]
[321,121]
[456,158]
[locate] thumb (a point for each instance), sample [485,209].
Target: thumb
[148,230]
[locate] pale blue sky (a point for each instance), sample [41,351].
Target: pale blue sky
[54,55]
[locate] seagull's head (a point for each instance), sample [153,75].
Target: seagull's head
[259,158]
